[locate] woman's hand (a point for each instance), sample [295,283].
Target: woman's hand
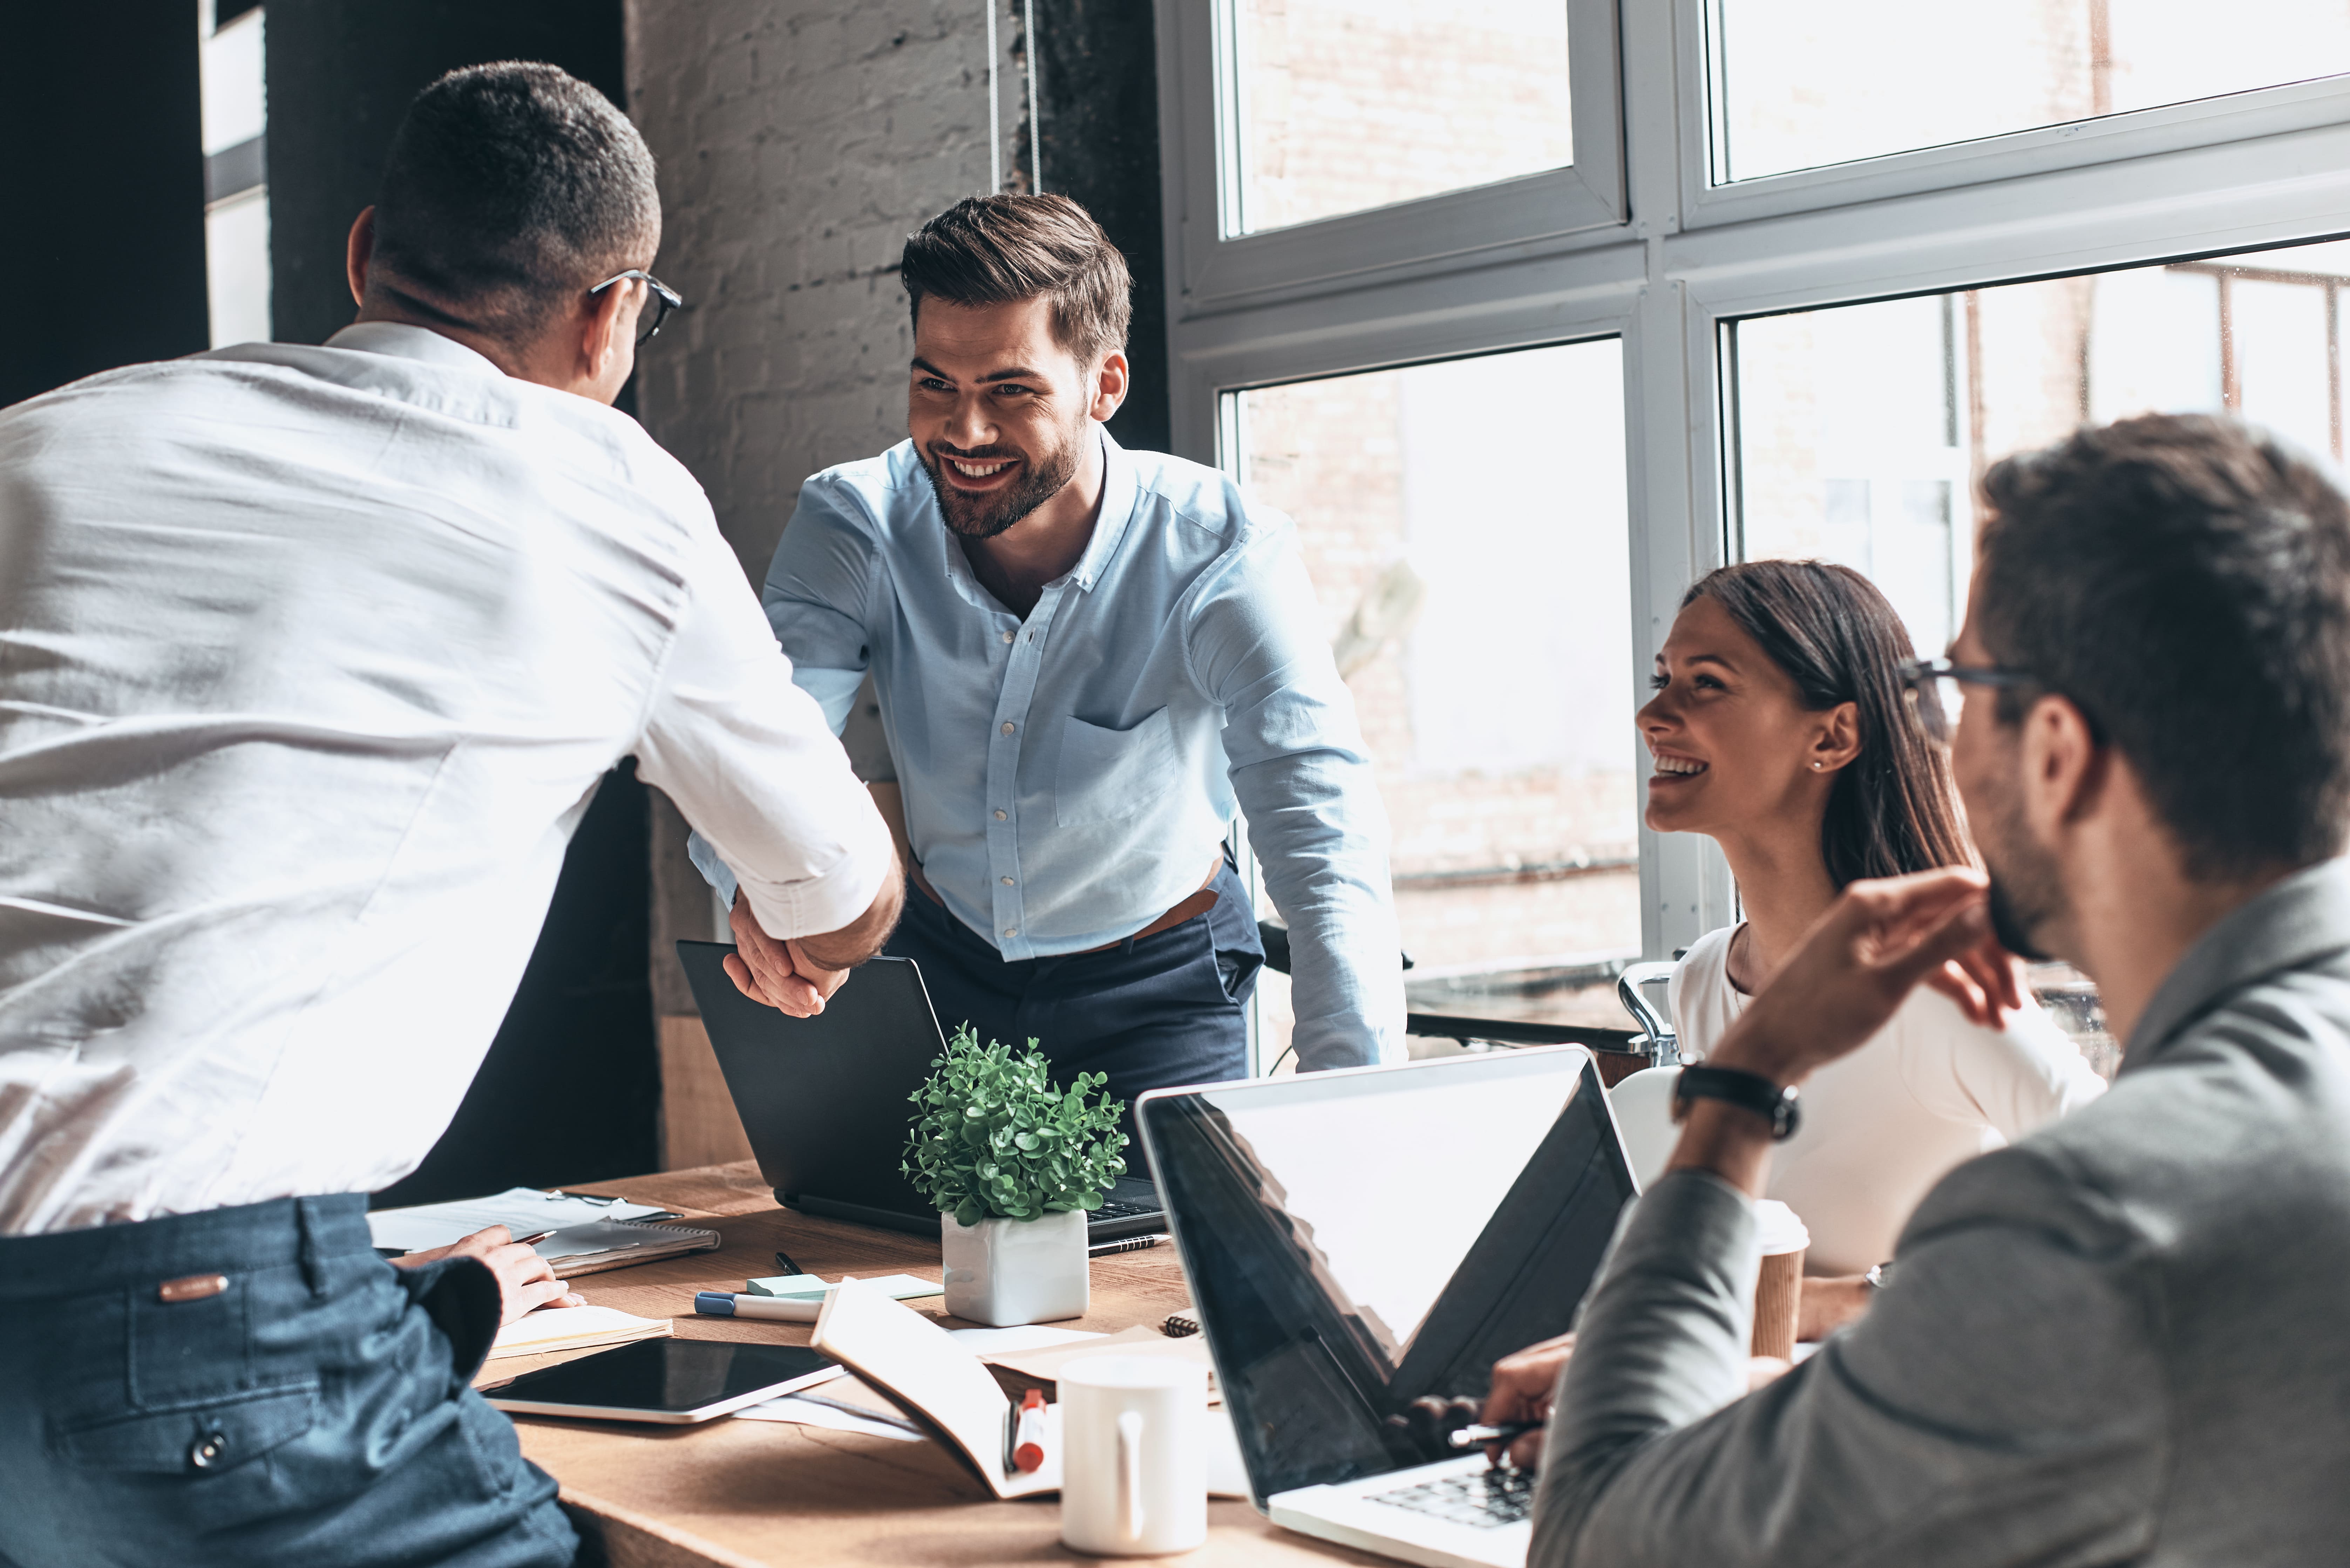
[526,1281]
[1828,1303]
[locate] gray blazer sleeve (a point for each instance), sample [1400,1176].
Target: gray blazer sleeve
[2003,1401]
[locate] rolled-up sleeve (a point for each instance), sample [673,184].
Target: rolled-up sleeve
[819,595]
[2001,1401]
[749,761]
[1303,777]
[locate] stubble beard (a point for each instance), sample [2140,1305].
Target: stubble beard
[985,516]
[2026,895]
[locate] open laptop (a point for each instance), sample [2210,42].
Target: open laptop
[827,1100]
[1356,1240]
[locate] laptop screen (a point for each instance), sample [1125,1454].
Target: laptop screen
[1356,1241]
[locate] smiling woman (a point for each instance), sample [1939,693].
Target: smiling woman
[1780,729]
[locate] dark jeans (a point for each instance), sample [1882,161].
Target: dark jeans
[316,1412]
[1151,1011]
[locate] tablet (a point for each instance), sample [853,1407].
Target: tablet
[673,1380]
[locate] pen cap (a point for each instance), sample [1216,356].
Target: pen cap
[720,1303]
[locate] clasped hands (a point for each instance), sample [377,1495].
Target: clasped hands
[1859,963]
[776,972]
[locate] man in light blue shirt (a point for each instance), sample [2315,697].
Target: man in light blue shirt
[1087,659]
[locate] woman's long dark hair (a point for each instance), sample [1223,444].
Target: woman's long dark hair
[1893,810]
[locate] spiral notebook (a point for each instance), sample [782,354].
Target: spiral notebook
[591,1234]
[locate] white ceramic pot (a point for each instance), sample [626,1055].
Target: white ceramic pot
[1008,1272]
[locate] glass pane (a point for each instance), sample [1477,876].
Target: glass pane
[1802,83]
[1350,104]
[1861,429]
[1480,608]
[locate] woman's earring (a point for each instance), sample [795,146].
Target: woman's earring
[1816,767]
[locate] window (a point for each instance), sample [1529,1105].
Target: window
[236,191]
[1802,83]
[1481,614]
[1843,256]
[1861,428]
[1344,105]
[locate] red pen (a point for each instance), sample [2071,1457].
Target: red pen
[1028,1436]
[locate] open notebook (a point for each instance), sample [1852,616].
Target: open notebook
[941,1384]
[591,1234]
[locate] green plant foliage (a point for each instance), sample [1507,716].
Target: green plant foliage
[992,1135]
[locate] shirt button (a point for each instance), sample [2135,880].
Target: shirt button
[207,1450]
[1010,931]
[1009,726]
[999,817]
[1006,880]
[1008,637]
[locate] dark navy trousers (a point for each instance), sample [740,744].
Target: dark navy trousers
[1151,1011]
[315,1411]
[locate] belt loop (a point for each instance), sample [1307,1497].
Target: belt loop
[1126,947]
[314,1271]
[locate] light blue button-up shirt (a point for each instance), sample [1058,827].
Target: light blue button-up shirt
[1067,777]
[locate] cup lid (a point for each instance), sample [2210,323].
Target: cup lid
[1781,1227]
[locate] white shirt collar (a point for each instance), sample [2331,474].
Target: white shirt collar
[406,342]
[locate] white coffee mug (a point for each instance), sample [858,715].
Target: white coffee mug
[1134,1471]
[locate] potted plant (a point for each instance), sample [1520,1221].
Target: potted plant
[1014,1165]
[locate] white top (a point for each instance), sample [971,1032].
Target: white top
[1881,1127]
[310,659]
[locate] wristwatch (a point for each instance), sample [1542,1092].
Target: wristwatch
[1879,1276]
[1751,1090]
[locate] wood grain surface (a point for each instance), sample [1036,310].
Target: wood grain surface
[736,1492]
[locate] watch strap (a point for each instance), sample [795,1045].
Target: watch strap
[1750,1091]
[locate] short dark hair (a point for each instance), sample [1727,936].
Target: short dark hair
[1000,250]
[1892,810]
[2185,581]
[509,188]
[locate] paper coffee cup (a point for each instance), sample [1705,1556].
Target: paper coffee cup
[1779,1287]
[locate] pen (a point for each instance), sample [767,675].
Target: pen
[533,1240]
[1478,1437]
[782,1309]
[1028,1436]
[783,1262]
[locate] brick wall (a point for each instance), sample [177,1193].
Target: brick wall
[798,144]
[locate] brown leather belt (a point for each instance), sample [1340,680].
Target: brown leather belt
[1199,903]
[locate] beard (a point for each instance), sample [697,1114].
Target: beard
[2013,926]
[2026,895]
[984,516]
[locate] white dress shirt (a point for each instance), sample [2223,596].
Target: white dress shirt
[310,661]
[1881,1127]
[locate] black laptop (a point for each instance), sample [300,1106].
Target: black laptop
[827,1100]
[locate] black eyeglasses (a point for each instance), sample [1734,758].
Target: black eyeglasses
[659,300]
[1931,688]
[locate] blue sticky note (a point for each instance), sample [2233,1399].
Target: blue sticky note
[786,1285]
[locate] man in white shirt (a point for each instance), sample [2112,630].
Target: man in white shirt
[310,661]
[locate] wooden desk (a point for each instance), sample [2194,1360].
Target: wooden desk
[744,1493]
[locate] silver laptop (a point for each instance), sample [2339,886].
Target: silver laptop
[1357,1240]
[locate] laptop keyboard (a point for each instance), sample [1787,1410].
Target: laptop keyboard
[1485,1498]
[1112,1209]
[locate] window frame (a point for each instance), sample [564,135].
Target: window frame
[1211,267]
[1676,258]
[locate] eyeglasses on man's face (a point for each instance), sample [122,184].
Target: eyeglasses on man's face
[659,300]
[1932,689]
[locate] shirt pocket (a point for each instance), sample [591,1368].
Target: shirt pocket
[1106,774]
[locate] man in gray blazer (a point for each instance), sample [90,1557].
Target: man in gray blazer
[2125,1338]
